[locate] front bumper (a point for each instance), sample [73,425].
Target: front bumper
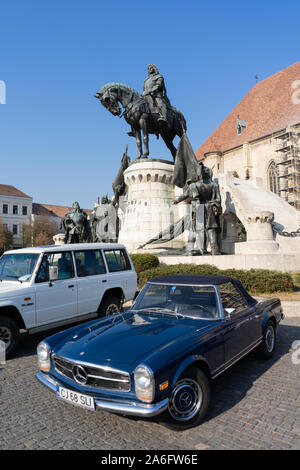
[115,406]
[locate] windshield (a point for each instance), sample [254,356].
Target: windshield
[17,267]
[190,301]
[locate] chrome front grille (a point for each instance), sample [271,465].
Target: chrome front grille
[97,376]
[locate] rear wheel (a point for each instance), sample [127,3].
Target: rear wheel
[267,347]
[189,401]
[9,334]
[110,305]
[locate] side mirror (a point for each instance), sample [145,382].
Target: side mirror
[229,311]
[53,273]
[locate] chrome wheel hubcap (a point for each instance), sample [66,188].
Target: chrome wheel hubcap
[111,309]
[186,400]
[5,336]
[270,338]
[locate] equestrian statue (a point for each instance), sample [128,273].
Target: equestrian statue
[149,113]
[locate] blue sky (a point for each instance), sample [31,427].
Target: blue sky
[58,144]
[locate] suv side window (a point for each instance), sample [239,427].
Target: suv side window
[117,260]
[89,263]
[231,297]
[61,264]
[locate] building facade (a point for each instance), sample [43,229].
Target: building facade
[15,210]
[261,136]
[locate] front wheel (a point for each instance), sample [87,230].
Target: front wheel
[189,401]
[9,334]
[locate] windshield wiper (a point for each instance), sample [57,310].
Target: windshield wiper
[162,310]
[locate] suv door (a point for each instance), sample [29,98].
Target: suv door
[56,299]
[121,274]
[91,279]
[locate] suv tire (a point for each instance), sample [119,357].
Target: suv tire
[9,334]
[110,305]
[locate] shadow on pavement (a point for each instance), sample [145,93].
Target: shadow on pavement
[233,385]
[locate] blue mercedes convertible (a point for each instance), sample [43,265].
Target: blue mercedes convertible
[160,356]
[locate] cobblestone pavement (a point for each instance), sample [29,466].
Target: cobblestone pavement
[256,405]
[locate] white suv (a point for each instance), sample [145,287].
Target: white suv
[45,287]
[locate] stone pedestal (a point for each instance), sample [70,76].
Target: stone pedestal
[149,207]
[259,235]
[230,233]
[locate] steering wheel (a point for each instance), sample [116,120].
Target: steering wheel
[197,306]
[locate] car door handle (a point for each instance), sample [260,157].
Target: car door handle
[104,280]
[72,285]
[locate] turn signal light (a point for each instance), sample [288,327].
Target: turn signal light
[164,385]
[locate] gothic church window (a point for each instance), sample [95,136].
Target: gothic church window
[273,178]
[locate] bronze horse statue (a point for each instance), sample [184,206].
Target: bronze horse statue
[140,117]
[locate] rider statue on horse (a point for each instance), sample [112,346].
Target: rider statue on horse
[149,113]
[155,94]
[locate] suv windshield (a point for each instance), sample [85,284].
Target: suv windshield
[17,267]
[191,301]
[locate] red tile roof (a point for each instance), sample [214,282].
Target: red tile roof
[52,211]
[267,108]
[7,190]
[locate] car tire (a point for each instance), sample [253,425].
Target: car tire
[189,401]
[9,334]
[267,348]
[110,305]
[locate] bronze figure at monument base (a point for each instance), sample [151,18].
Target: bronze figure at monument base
[76,225]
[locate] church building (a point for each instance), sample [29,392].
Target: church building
[261,136]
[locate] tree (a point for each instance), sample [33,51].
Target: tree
[6,237]
[43,238]
[39,231]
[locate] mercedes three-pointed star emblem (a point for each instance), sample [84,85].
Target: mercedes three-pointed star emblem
[79,375]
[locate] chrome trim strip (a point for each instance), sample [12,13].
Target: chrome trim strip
[89,364]
[126,380]
[238,356]
[115,406]
[241,352]
[108,378]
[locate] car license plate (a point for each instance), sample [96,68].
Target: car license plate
[85,401]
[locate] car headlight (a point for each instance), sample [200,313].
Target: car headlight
[144,383]
[43,354]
